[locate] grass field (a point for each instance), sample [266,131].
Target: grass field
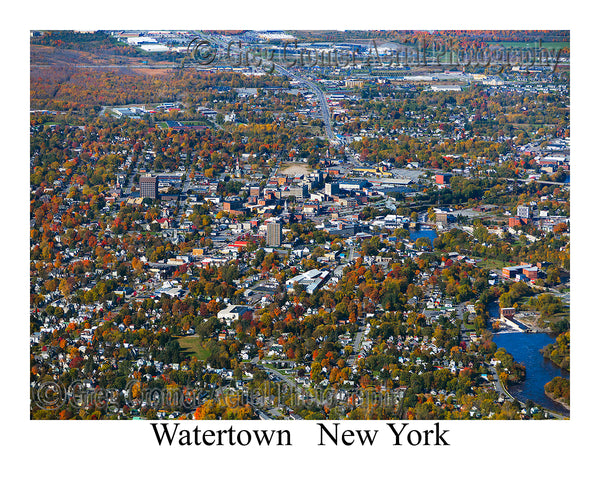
[191,346]
[448,57]
[548,45]
[195,122]
[205,123]
[469,326]
[492,264]
[557,317]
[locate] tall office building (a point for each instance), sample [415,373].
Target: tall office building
[523,211]
[332,188]
[273,234]
[148,187]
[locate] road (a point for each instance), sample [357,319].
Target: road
[564,296]
[325,115]
[181,202]
[300,394]
[498,384]
[279,375]
[359,337]
[533,180]
[356,345]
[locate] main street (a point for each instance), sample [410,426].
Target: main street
[356,346]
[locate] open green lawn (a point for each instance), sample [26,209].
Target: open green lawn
[191,345]
[445,57]
[548,45]
[469,326]
[196,122]
[557,317]
[492,264]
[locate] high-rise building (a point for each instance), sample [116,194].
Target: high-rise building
[523,211]
[148,187]
[273,234]
[300,191]
[443,178]
[332,188]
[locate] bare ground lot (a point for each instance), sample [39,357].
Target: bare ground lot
[295,169]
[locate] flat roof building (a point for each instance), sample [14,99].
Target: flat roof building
[443,178]
[148,187]
[273,234]
[332,188]
[233,313]
[523,211]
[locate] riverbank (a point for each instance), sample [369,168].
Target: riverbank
[559,352]
[524,321]
[560,401]
[520,324]
[530,320]
[525,349]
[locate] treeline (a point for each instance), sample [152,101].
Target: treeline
[559,352]
[93,42]
[510,372]
[471,38]
[481,112]
[67,87]
[559,389]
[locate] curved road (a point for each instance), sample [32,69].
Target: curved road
[325,115]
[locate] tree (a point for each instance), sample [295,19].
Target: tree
[137,265]
[65,287]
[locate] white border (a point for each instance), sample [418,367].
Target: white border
[488,449]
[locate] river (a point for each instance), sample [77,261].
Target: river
[525,348]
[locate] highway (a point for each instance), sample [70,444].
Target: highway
[533,180]
[325,115]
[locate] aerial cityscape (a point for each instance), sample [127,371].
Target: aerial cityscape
[288,225]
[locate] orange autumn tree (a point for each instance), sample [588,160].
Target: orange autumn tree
[229,408]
